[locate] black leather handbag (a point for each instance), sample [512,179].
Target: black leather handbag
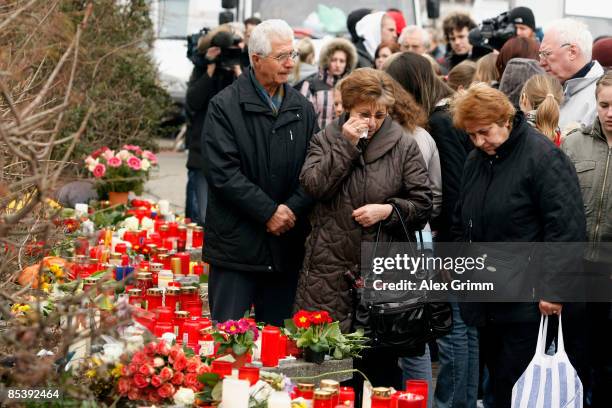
[405,321]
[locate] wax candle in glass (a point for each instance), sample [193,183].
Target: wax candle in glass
[270,339]
[251,374]
[418,387]
[409,400]
[322,399]
[381,397]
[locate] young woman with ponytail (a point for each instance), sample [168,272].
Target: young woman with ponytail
[540,100]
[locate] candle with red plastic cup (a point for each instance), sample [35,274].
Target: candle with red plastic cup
[409,400]
[251,374]
[135,296]
[188,294]
[221,368]
[347,397]
[182,232]
[418,387]
[173,229]
[161,328]
[305,390]
[193,307]
[270,339]
[171,298]
[191,333]
[164,314]
[197,237]
[153,298]
[381,397]
[131,237]
[185,258]
[155,238]
[180,317]
[140,213]
[322,399]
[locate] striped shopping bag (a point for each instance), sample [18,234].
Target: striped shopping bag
[548,381]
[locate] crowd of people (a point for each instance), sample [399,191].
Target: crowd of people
[294,163]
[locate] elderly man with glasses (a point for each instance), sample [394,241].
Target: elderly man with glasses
[565,53]
[414,39]
[255,139]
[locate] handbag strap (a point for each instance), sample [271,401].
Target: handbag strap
[560,344]
[542,332]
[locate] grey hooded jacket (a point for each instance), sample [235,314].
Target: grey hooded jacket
[579,104]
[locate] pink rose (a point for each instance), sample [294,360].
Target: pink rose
[140,380]
[134,394]
[156,381]
[203,369]
[166,391]
[162,348]
[114,161]
[166,374]
[139,358]
[193,364]
[146,369]
[191,380]
[150,156]
[180,363]
[178,378]
[99,170]
[134,163]
[175,351]
[123,385]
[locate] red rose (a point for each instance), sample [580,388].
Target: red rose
[203,369]
[166,374]
[166,390]
[146,370]
[180,362]
[134,394]
[175,351]
[162,348]
[123,386]
[178,378]
[193,364]
[152,396]
[302,319]
[140,380]
[156,381]
[150,349]
[139,358]
[191,380]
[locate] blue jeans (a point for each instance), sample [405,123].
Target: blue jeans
[197,196]
[457,385]
[418,368]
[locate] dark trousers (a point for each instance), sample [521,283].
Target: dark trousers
[509,347]
[231,293]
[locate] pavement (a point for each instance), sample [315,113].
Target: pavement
[169,181]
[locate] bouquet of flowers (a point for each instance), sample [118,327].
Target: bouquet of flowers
[122,171]
[318,334]
[160,373]
[236,336]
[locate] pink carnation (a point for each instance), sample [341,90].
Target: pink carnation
[150,156]
[134,163]
[114,161]
[100,170]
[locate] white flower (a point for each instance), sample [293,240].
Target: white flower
[124,154]
[131,223]
[92,164]
[112,353]
[134,343]
[147,224]
[145,165]
[184,396]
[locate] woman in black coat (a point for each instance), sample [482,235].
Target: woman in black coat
[517,187]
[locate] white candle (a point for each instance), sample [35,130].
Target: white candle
[235,393]
[279,399]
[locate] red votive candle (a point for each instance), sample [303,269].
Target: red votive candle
[173,229]
[251,374]
[282,346]
[161,328]
[197,237]
[418,387]
[180,317]
[153,298]
[409,400]
[270,339]
[221,368]
[191,333]
[185,258]
[347,397]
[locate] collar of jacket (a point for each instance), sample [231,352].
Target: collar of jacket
[519,128]
[595,131]
[250,100]
[575,85]
[387,136]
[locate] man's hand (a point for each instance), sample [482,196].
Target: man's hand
[282,220]
[370,214]
[549,308]
[211,54]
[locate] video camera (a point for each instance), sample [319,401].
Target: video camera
[228,42]
[192,47]
[493,32]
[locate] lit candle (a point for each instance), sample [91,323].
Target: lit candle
[279,399]
[270,339]
[235,393]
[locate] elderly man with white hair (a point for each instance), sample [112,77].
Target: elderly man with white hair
[415,39]
[565,53]
[255,139]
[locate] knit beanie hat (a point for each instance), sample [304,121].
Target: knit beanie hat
[602,51]
[522,15]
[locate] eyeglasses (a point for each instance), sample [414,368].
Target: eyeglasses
[547,53]
[284,57]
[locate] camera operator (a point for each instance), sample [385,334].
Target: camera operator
[524,22]
[216,65]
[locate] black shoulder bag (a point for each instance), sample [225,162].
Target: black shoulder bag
[402,321]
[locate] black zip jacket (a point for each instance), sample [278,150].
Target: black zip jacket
[252,161]
[527,192]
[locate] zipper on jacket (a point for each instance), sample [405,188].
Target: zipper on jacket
[601,199]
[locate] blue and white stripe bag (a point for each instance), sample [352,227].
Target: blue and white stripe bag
[548,381]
